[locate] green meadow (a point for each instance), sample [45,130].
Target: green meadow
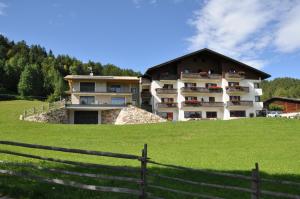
[224,146]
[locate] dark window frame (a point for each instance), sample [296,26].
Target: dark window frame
[86,86]
[211,114]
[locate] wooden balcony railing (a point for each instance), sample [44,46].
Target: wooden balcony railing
[202,89]
[201,75]
[236,75]
[166,91]
[195,103]
[240,103]
[237,89]
[167,105]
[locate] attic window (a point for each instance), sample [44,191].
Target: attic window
[195,59]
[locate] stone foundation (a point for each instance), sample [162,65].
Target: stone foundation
[129,115]
[54,116]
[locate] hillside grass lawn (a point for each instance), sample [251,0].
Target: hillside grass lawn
[225,146]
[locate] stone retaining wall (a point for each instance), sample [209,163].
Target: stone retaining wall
[54,116]
[129,115]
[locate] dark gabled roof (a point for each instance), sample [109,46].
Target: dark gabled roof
[264,75]
[286,99]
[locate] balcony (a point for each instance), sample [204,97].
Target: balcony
[166,91]
[212,89]
[237,89]
[166,105]
[94,106]
[201,75]
[240,103]
[235,75]
[194,103]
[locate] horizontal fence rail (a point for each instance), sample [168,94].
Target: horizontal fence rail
[80,151]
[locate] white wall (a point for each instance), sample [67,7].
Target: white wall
[222,112]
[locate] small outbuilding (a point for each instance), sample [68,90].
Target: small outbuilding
[288,105]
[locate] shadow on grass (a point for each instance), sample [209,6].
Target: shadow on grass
[20,188]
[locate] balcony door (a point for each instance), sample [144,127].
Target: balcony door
[87,100]
[118,100]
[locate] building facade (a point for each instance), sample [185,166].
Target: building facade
[93,98]
[203,84]
[200,85]
[288,105]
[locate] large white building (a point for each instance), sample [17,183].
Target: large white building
[202,84]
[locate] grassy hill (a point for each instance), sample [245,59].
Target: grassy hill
[225,146]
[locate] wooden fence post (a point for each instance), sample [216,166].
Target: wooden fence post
[255,185]
[25,112]
[33,110]
[144,173]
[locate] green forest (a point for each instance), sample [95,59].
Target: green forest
[281,87]
[31,71]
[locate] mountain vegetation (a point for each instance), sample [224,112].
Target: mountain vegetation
[32,71]
[281,87]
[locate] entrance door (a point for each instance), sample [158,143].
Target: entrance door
[170,116]
[86,117]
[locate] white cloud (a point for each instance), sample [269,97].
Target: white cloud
[245,29]
[288,35]
[2,8]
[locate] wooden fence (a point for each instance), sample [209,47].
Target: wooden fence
[43,108]
[255,191]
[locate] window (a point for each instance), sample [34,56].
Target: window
[115,88]
[87,86]
[235,98]
[118,100]
[192,114]
[211,99]
[168,86]
[261,113]
[87,99]
[166,115]
[237,113]
[211,114]
[256,85]
[232,70]
[190,98]
[207,85]
[231,84]
[134,90]
[189,85]
[186,71]
[257,98]
[167,100]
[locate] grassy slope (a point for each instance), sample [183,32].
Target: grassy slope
[218,145]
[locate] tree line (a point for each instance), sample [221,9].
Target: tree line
[281,87]
[32,71]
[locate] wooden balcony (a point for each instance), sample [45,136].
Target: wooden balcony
[166,91]
[201,90]
[237,89]
[193,103]
[240,103]
[235,76]
[167,105]
[202,75]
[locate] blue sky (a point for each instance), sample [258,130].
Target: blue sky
[138,34]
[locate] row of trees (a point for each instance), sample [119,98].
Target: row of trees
[281,87]
[32,71]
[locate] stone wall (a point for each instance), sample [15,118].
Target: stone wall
[54,116]
[110,116]
[129,115]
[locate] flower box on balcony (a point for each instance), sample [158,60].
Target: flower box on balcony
[192,102]
[215,87]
